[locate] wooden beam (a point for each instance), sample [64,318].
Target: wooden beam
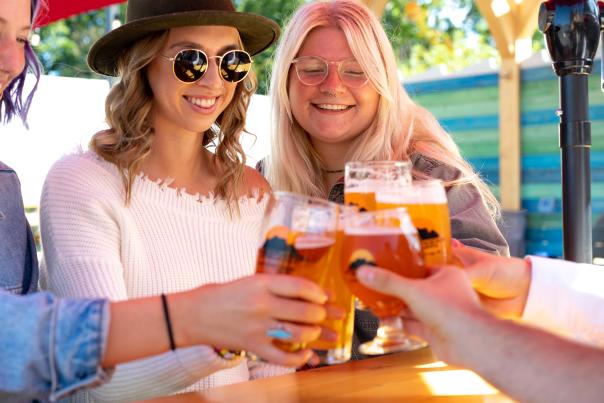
[519,22]
[501,27]
[527,18]
[377,6]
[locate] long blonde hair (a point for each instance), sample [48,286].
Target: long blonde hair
[128,108]
[399,130]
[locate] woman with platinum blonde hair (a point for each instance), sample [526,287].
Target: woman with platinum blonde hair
[149,210]
[355,109]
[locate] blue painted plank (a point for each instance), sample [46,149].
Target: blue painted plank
[553,175]
[547,73]
[547,116]
[540,248]
[453,84]
[549,205]
[549,234]
[468,123]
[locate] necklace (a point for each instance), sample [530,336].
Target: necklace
[334,171]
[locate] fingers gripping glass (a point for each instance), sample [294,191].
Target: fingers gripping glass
[313,70]
[190,65]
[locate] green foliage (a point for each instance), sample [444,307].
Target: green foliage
[428,33]
[64,44]
[278,10]
[424,34]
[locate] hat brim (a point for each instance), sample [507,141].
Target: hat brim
[257,33]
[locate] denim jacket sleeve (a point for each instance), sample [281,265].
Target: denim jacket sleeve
[50,347]
[18,262]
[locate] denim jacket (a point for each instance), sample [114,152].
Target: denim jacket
[18,261]
[50,347]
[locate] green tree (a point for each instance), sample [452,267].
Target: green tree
[423,33]
[278,10]
[64,45]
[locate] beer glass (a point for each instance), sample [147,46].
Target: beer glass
[298,236]
[388,239]
[340,350]
[363,178]
[426,203]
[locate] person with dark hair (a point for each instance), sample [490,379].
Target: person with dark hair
[51,347]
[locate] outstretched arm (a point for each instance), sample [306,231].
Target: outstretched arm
[526,363]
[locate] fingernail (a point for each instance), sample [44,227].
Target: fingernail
[365,275]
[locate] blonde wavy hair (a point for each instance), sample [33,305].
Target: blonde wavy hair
[399,130]
[130,135]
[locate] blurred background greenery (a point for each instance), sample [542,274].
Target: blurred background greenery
[424,33]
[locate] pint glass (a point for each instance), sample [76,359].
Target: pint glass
[426,202]
[363,178]
[384,238]
[340,350]
[298,239]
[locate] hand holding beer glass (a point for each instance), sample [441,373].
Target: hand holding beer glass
[384,238]
[298,239]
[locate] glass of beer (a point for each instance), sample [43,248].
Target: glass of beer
[426,202]
[298,239]
[363,178]
[388,239]
[339,351]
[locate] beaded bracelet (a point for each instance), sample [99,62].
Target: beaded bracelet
[229,355]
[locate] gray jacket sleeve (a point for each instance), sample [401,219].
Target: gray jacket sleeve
[471,222]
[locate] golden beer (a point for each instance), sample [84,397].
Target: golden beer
[364,201]
[339,294]
[426,203]
[298,240]
[363,178]
[388,248]
[299,255]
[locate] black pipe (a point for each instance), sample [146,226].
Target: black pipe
[575,143]
[572,32]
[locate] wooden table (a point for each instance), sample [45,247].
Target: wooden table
[408,377]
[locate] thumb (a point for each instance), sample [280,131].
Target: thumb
[467,255]
[384,281]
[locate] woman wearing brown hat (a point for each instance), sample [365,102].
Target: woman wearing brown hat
[149,210]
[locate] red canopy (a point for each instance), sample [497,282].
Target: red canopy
[59,9]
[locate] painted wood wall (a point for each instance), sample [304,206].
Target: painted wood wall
[468,109]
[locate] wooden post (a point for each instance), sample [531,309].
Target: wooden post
[509,135]
[518,23]
[377,6]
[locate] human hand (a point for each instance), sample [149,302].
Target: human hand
[237,315]
[441,308]
[502,282]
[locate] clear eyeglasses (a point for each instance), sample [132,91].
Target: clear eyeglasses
[313,70]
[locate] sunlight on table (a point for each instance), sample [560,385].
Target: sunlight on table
[456,383]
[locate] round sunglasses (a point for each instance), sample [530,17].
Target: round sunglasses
[190,65]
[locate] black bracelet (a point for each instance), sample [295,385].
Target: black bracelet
[164,302]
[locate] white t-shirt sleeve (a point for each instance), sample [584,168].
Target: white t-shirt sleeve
[567,298]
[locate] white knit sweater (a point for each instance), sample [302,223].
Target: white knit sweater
[166,240]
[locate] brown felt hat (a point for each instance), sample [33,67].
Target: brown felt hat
[144,17]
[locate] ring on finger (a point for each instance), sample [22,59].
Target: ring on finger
[279,331]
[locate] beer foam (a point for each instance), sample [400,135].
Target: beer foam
[313,242]
[422,194]
[375,231]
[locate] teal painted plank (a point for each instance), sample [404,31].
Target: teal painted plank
[537,190]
